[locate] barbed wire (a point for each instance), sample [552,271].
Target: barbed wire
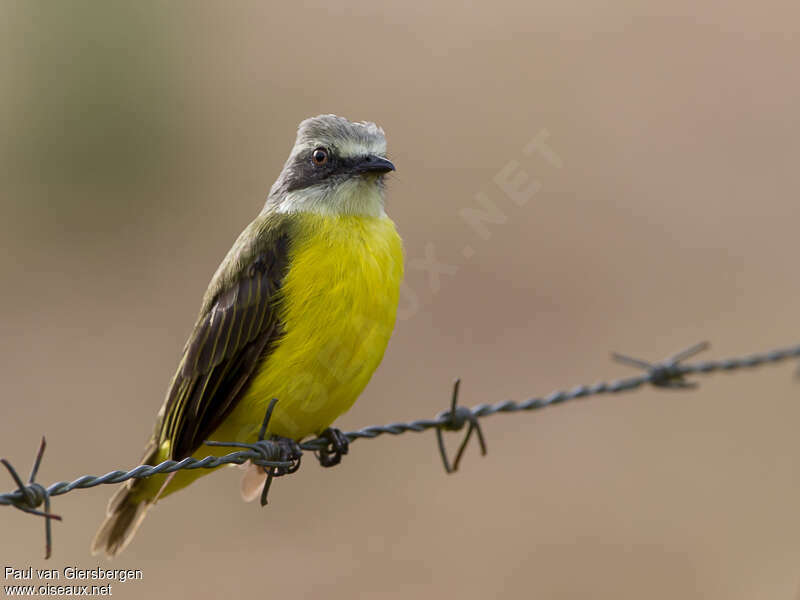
[277,457]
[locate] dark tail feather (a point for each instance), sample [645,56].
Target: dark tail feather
[122,520]
[124,514]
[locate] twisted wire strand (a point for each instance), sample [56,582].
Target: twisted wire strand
[656,373]
[668,373]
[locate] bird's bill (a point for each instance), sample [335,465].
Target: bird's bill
[373,164]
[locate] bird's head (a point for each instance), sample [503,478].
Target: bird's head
[335,167]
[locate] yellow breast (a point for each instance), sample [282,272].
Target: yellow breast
[338,305]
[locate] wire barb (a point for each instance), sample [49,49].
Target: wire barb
[270,471]
[34,495]
[282,456]
[666,373]
[289,451]
[278,456]
[454,420]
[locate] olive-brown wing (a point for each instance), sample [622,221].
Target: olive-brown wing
[236,333]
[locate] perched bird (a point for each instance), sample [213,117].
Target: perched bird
[301,309]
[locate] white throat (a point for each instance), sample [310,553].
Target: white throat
[356,196]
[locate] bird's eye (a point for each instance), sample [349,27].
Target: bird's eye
[319,156]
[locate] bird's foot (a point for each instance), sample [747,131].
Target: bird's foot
[338,446]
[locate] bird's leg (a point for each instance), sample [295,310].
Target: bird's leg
[337,447]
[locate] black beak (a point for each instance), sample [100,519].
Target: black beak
[373,164]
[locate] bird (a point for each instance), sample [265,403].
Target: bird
[301,310]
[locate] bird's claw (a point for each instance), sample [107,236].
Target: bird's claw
[338,446]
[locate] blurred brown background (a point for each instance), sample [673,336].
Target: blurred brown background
[139,138]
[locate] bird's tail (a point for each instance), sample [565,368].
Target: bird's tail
[124,516]
[126,509]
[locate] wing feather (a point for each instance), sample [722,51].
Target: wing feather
[234,333]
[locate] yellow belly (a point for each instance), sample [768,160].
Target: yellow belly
[339,300]
[338,306]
